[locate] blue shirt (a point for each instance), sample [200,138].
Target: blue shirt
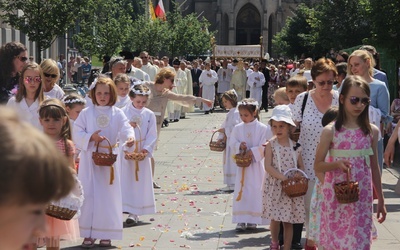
[380,99]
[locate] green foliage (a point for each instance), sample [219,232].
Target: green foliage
[187,35]
[148,35]
[385,24]
[297,36]
[41,20]
[342,23]
[104,27]
[329,24]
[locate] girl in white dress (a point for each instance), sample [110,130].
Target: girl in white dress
[123,84]
[30,94]
[249,136]
[51,74]
[281,155]
[101,212]
[229,101]
[136,176]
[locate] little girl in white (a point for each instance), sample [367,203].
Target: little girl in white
[281,154]
[101,212]
[123,84]
[229,101]
[249,136]
[74,104]
[136,176]
[30,94]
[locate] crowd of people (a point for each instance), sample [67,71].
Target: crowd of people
[121,117]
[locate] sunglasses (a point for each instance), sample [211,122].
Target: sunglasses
[143,57]
[50,75]
[23,58]
[355,100]
[323,83]
[30,79]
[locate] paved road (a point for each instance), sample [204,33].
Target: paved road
[192,214]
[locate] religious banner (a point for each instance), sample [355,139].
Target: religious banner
[253,51]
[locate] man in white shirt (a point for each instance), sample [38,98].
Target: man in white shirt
[147,66]
[207,80]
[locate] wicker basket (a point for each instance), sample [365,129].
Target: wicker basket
[295,135]
[61,213]
[136,156]
[217,146]
[243,160]
[347,191]
[295,186]
[104,159]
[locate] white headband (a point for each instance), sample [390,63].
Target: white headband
[93,84]
[234,91]
[139,92]
[76,100]
[253,103]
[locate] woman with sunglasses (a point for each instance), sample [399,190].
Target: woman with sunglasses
[30,95]
[362,63]
[51,74]
[308,109]
[13,57]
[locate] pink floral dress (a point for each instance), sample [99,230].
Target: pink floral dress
[348,226]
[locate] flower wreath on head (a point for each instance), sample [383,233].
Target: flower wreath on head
[75,100]
[253,103]
[137,91]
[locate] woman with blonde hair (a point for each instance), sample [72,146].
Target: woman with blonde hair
[51,74]
[362,63]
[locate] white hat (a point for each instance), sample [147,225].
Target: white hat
[282,113]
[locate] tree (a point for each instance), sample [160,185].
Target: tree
[104,27]
[187,34]
[385,20]
[297,37]
[147,35]
[342,23]
[41,21]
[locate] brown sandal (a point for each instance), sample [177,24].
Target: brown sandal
[105,243]
[88,243]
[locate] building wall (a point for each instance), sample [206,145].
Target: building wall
[223,16]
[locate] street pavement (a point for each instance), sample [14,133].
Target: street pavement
[191,211]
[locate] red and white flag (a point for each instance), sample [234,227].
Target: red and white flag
[160,11]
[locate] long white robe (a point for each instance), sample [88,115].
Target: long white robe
[174,108]
[138,195]
[151,70]
[229,166]
[27,113]
[207,80]
[139,74]
[255,81]
[238,83]
[224,80]
[101,213]
[188,91]
[123,101]
[249,208]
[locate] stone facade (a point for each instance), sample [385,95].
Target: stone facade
[241,22]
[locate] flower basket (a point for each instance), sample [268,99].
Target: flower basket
[61,213]
[295,186]
[217,146]
[104,159]
[347,191]
[243,160]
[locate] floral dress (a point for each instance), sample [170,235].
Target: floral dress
[348,226]
[277,205]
